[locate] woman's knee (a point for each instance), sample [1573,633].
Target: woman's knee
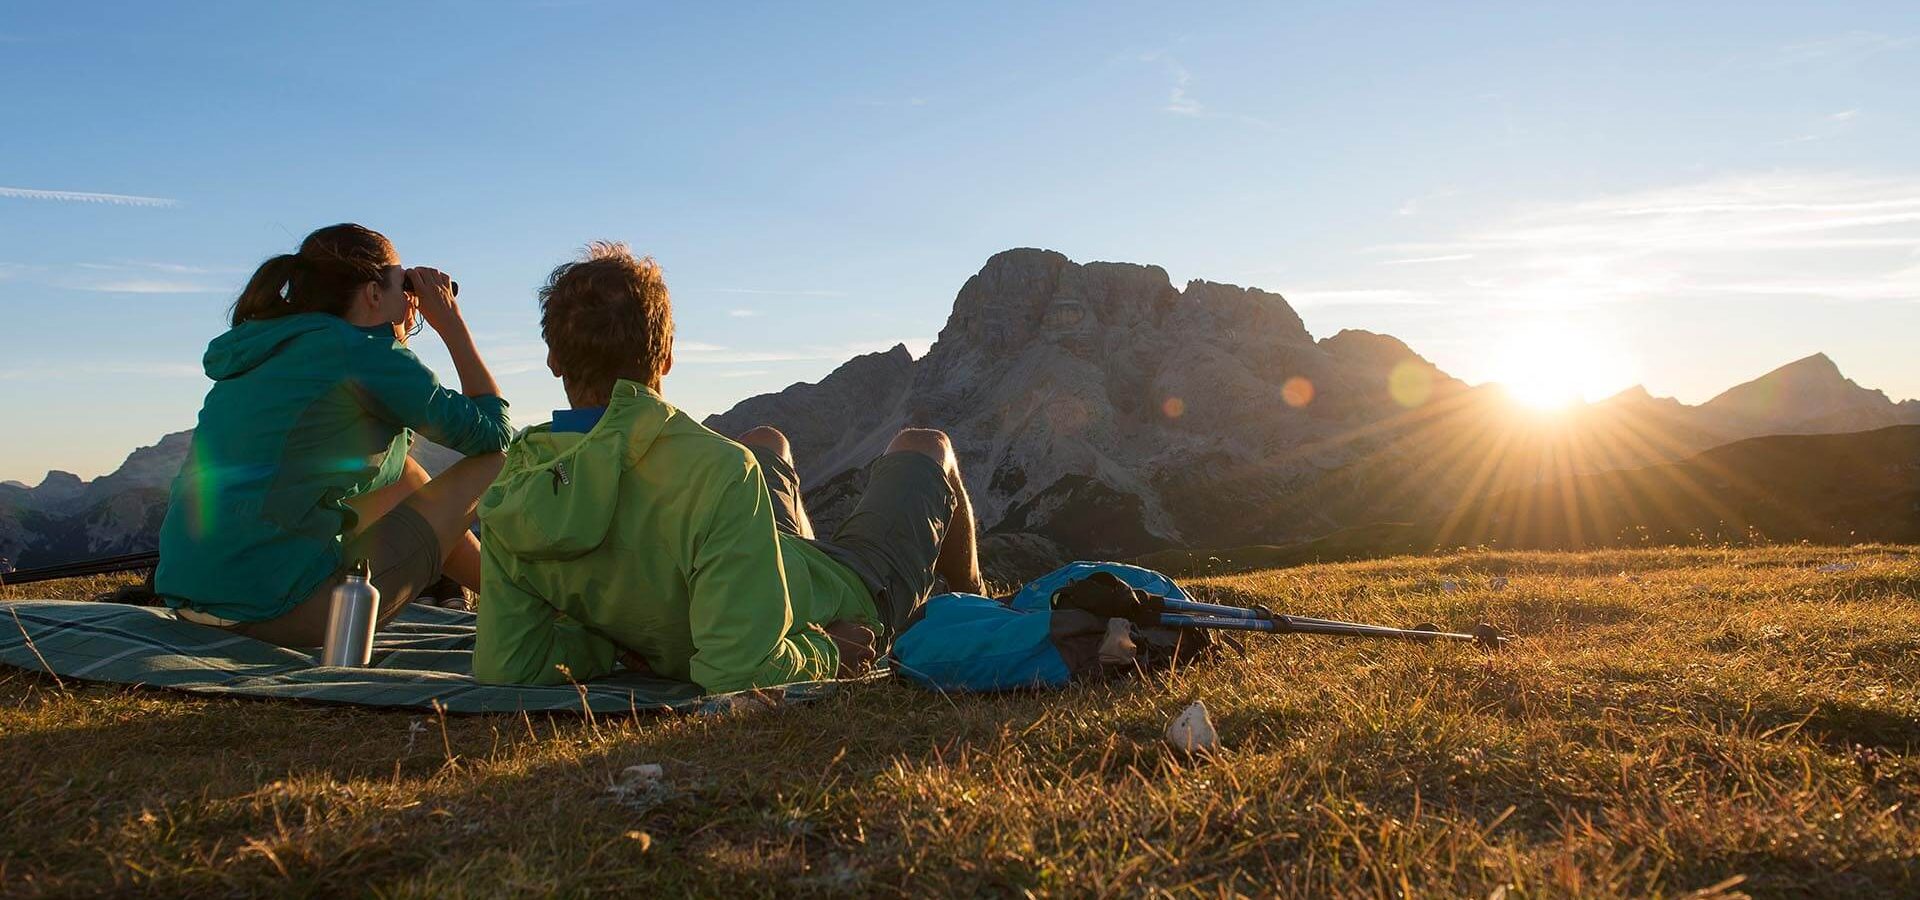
[450,500]
[483,468]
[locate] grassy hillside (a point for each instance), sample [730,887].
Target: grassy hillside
[1820,488]
[1670,721]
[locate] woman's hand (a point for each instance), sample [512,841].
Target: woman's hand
[432,291]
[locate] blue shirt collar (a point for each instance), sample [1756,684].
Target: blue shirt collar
[578,420]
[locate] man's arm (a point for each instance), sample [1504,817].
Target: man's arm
[523,640]
[740,613]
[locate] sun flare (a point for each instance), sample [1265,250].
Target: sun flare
[1548,368]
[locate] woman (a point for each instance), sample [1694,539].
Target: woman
[299,465]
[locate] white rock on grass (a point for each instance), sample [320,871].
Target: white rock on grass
[644,780]
[1192,730]
[642,773]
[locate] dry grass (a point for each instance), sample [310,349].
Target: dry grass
[1672,721]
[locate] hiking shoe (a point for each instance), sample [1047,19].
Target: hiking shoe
[446,594]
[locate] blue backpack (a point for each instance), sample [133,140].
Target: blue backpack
[967,642]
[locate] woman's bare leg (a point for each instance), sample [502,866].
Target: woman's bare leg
[449,504]
[441,507]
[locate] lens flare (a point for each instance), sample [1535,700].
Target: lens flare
[1297,392]
[1410,384]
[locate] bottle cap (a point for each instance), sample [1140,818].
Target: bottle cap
[361,569]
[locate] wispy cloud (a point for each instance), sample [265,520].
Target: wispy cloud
[125,277]
[1416,205]
[902,103]
[742,373]
[1829,237]
[18,193]
[1178,102]
[1336,296]
[699,353]
[758,292]
[742,313]
[93,371]
[1181,101]
[167,267]
[146,286]
[1851,46]
[1826,127]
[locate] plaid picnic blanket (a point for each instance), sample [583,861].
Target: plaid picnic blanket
[424,656]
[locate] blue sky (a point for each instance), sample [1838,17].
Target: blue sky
[1683,195]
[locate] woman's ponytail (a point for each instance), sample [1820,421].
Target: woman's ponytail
[265,295]
[332,264]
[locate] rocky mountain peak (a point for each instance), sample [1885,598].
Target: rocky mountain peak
[58,481]
[1251,313]
[1808,394]
[1024,298]
[1818,365]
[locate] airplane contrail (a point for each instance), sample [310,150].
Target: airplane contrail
[85,197]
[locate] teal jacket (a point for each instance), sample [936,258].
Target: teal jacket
[306,411]
[654,535]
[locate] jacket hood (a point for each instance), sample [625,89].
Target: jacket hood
[246,345]
[556,494]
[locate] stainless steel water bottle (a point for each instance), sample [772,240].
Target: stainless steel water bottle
[356,607]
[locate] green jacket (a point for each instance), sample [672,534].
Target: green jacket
[652,534]
[305,412]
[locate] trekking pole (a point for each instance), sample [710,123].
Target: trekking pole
[128,562]
[1483,634]
[1105,595]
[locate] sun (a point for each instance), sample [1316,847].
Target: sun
[1549,367]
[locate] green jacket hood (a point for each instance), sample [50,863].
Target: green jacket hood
[246,345]
[557,492]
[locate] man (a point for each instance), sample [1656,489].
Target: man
[626,531]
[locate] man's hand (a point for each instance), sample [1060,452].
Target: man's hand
[856,644]
[432,290]
[634,662]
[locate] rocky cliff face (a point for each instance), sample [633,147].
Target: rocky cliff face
[1088,402]
[838,418]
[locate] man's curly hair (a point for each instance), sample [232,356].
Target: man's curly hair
[606,316]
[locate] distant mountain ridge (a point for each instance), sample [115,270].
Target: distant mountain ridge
[63,519]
